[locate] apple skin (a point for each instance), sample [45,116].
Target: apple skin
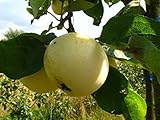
[77,62]
[57,7]
[39,82]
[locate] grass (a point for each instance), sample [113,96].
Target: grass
[19,103]
[65,108]
[41,114]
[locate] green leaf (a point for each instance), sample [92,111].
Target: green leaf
[96,13]
[116,97]
[30,10]
[21,56]
[80,5]
[122,27]
[112,91]
[154,38]
[40,13]
[132,8]
[146,52]
[39,7]
[46,39]
[136,106]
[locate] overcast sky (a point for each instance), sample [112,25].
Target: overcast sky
[13,15]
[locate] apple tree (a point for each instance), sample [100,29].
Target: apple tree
[132,37]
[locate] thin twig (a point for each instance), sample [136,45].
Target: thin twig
[53,16]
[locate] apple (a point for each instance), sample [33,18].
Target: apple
[39,82]
[78,63]
[57,6]
[72,5]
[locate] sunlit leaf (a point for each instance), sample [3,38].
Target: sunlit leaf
[118,29]
[135,105]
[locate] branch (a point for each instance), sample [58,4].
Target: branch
[153,11]
[53,16]
[71,28]
[125,2]
[63,20]
[151,113]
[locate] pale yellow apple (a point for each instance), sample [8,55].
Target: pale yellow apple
[39,82]
[77,62]
[57,6]
[68,6]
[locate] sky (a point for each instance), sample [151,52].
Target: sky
[14,15]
